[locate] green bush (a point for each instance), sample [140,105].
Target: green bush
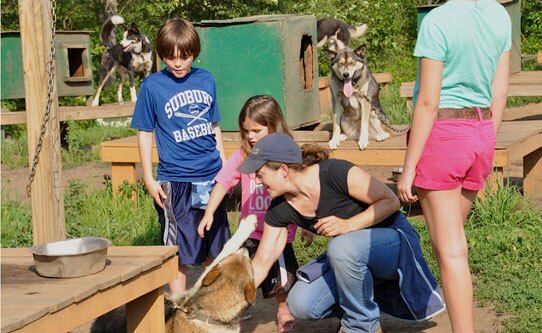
[505,232]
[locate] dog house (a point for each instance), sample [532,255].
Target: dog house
[270,54]
[514,10]
[73,66]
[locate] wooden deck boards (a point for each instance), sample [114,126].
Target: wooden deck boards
[32,303]
[516,140]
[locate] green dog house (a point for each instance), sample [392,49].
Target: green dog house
[73,66]
[270,54]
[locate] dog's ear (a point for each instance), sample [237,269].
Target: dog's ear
[211,276]
[360,51]
[250,293]
[330,55]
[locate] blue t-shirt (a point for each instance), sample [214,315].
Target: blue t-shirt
[182,113]
[468,37]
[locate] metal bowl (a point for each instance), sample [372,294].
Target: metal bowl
[396,174]
[71,258]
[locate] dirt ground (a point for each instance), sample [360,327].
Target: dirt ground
[264,313]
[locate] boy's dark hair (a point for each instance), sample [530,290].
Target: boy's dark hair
[177,33]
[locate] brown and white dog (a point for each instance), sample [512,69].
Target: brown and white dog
[132,55]
[357,112]
[216,302]
[226,292]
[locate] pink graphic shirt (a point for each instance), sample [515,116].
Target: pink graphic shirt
[254,197]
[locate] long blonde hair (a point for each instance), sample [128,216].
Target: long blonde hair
[263,110]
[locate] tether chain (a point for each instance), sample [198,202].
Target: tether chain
[50,89]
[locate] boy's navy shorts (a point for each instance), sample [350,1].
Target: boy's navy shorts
[179,225]
[282,275]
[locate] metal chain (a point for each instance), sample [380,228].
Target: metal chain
[50,89]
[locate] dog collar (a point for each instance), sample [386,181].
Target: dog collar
[198,315]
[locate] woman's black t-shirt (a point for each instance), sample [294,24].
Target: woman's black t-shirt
[334,199]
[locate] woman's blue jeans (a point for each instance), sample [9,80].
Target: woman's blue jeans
[358,260]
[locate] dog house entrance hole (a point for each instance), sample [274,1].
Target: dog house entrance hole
[306,61]
[77,63]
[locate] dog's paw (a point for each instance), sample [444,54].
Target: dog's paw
[334,143]
[343,137]
[382,136]
[363,142]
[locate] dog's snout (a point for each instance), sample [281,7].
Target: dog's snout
[346,75]
[243,251]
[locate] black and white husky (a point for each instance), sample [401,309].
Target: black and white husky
[343,33]
[132,55]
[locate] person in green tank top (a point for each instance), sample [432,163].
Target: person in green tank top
[463,51]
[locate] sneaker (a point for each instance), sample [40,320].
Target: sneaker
[340,330]
[247,315]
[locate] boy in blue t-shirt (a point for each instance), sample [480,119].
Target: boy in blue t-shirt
[179,105]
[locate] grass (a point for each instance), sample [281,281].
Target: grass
[89,212]
[507,229]
[81,143]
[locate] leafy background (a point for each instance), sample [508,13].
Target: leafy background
[390,39]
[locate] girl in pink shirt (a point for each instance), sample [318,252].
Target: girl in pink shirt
[261,115]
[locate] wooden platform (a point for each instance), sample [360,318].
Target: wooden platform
[527,83]
[518,140]
[134,276]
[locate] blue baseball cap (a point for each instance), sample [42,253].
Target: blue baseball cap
[274,147]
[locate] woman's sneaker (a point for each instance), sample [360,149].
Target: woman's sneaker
[247,315]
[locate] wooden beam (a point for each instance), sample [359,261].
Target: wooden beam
[47,197]
[74,113]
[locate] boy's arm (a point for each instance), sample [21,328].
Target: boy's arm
[219,143]
[145,154]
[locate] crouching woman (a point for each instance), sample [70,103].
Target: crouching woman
[374,257]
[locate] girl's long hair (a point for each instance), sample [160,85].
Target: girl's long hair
[263,110]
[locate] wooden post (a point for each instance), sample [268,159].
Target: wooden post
[35,21]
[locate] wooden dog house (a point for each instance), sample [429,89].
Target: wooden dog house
[73,66]
[269,54]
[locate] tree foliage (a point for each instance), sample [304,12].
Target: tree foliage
[390,38]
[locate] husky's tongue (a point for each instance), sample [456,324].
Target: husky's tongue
[127,48]
[347,89]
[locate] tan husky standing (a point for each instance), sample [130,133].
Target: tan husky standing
[357,112]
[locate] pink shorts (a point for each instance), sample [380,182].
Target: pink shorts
[458,152]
